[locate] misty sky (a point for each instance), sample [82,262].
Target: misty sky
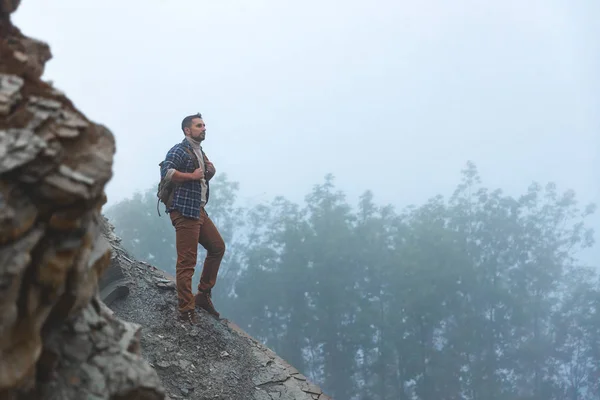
[393,96]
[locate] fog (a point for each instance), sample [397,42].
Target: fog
[391,96]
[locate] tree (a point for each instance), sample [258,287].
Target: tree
[478,296]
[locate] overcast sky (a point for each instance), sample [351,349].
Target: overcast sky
[393,96]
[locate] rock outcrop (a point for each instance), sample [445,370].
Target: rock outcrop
[57,339]
[214,360]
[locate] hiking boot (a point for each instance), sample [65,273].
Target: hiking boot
[188,316]
[204,301]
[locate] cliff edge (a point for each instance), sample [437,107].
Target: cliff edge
[213,360]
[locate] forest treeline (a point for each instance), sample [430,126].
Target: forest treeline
[476,295]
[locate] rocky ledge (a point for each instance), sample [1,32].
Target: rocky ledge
[214,360]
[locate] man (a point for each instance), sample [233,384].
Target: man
[192,224]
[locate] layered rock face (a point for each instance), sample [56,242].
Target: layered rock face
[57,339]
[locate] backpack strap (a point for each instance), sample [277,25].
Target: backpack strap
[194,158]
[207,182]
[158,200]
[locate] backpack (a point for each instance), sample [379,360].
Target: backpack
[167,189]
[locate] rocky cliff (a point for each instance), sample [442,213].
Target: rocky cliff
[58,339]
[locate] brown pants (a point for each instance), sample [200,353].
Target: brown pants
[188,233]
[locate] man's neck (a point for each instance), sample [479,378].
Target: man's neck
[193,142]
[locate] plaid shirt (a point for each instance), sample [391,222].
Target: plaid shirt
[187,195]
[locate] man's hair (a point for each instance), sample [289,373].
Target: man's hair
[187,121]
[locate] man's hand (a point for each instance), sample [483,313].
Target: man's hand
[198,174]
[210,170]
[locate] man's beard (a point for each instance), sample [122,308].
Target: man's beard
[199,138]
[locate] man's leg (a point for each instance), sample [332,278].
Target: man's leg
[186,232]
[211,240]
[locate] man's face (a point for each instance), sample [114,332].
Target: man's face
[197,130]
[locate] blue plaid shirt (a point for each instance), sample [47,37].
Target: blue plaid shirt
[187,195]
